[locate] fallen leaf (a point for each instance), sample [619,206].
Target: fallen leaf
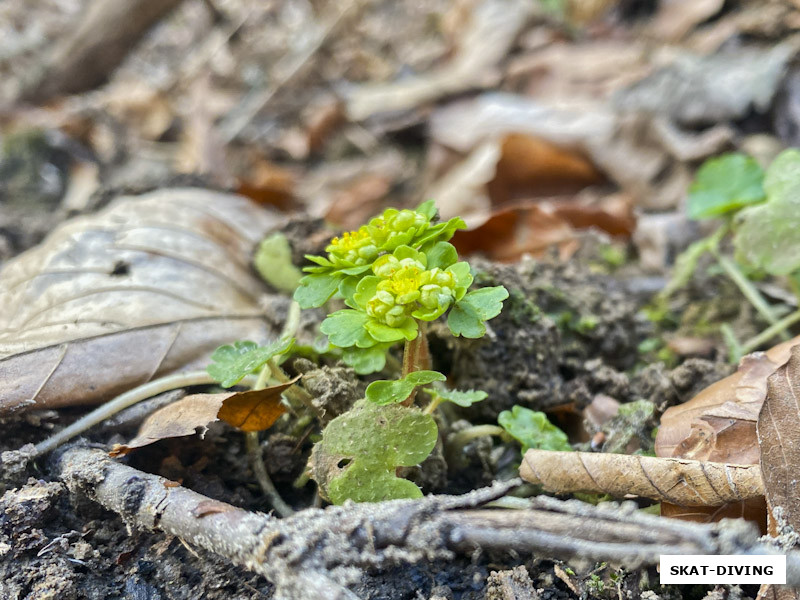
[678,481]
[150,285]
[533,226]
[719,423]
[268,183]
[492,30]
[675,18]
[255,410]
[779,439]
[360,200]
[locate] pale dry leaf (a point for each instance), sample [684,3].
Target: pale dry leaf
[254,410]
[493,28]
[150,285]
[678,481]
[675,18]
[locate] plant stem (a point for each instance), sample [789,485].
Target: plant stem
[434,404]
[123,401]
[748,289]
[416,357]
[257,457]
[771,332]
[260,470]
[465,436]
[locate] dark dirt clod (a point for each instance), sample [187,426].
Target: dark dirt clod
[334,389]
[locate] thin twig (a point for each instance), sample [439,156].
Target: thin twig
[262,475]
[129,398]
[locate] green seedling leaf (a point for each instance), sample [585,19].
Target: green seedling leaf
[345,328]
[360,451]
[231,363]
[532,429]
[768,236]
[459,397]
[273,261]
[725,184]
[468,316]
[316,289]
[686,263]
[391,392]
[366,360]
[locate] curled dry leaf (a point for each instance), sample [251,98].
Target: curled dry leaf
[255,410]
[681,482]
[147,286]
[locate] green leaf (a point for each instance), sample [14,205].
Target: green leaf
[232,363]
[459,397]
[725,184]
[366,360]
[316,289]
[391,392]
[345,328]
[442,255]
[532,429]
[468,315]
[365,290]
[465,321]
[384,333]
[768,236]
[427,208]
[376,440]
[273,261]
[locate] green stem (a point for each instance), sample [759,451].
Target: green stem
[748,289]
[433,405]
[770,332]
[456,442]
[123,401]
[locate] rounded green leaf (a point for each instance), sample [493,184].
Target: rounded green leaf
[441,255]
[532,429]
[725,184]
[366,360]
[389,392]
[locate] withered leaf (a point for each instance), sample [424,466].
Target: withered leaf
[678,481]
[719,423]
[779,439]
[145,287]
[255,410]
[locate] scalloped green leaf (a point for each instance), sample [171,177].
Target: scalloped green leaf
[427,208]
[768,236]
[390,392]
[316,289]
[345,328]
[532,429]
[725,184]
[231,363]
[460,397]
[441,255]
[376,440]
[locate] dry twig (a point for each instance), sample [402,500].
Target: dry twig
[317,553]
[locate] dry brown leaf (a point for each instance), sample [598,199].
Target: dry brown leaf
[255,410]
[362,199]
[143,288]
[512,232]
[779,439]
[532,166]
[719,423]
[754,509]
[267,183]
[532,227]
[678,481]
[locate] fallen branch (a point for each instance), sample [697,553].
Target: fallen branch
[317,553]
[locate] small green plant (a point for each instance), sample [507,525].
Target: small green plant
[532,430]
[395,275]
[760,213]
